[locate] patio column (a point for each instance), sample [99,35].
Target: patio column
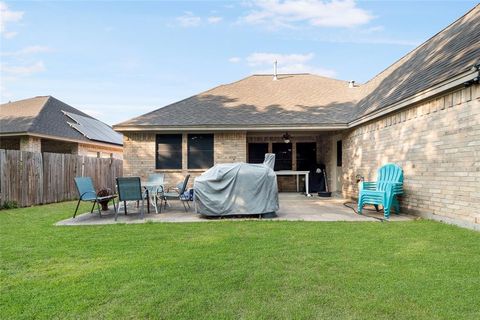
[184,153]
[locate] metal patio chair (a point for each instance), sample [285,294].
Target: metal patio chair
[86,192]
[177,194]
[129,189]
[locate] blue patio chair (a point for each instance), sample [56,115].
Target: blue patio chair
[129,189]
[178,194]
[86,192]
[384,191]
[154,188]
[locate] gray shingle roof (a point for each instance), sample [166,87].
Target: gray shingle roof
[305,99]
[450,52]
[41,115]
[258,100]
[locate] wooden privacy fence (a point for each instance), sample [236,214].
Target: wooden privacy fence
[30,178]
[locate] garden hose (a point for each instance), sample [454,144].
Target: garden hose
[346,204]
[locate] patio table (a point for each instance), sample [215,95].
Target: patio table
[151,194]
[298,174]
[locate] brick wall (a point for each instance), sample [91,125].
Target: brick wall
[139,155]
[230,147]
[437,143]
[31,144]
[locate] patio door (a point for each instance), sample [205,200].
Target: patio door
[306,155]
[283,156]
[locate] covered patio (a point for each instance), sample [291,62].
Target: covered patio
[297,152]
[293,207]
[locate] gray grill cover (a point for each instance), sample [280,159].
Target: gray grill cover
[237,189]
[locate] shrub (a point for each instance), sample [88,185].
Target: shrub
[9,205]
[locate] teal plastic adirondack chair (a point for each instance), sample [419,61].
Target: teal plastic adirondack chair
[384,191]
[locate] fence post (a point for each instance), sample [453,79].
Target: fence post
[83,166]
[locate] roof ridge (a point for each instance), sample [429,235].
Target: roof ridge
[423,43]
[297,74]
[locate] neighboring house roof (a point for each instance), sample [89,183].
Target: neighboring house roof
[48,116]
[304,99]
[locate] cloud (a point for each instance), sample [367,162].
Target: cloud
[288,13]
[27,51]
[189,20]
[234,59]
[8,16]
[262,62]
[214,19]
[23,70]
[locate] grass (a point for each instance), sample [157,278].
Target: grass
[235,269]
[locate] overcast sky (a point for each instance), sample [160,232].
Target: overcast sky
[117,60]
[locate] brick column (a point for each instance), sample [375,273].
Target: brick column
[184,153]
[230,147]
[31,144]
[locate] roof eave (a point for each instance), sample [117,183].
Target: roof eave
[59,138]
[217,128]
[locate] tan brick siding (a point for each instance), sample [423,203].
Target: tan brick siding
[230,147]
[437,143]
[31,144]
[139,155]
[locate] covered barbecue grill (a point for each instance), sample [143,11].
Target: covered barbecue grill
[237,189]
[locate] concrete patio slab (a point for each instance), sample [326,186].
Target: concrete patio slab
[293,207]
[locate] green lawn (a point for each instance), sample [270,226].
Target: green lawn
[236,269]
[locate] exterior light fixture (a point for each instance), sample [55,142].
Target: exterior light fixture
[286,137]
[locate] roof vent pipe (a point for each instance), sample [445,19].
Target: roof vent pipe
[351,84]
[275,71]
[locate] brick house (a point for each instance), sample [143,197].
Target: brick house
[422,112]
[46,124]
